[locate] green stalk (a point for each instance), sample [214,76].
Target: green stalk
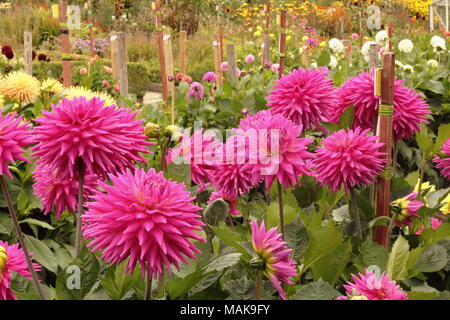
[80,206]
[280,205]
[148,289]
[258,285]
[161,285]
[422,173]
[356,217]
[22,243]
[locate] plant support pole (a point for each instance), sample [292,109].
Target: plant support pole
[22,243]
[91,29]
[65,44]
[159,29]
[283,26]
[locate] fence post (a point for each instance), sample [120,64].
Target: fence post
[28,52]
[183,52]
[122,63]
[231,58]
[65,44]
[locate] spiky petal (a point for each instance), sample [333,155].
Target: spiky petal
[107,139]
[374,288]
[410,109]
[405,209]
[143,217]
[12,259]
[304,96]
[444,161]
[15,136]
[60,193]
[349,158]
[273,252]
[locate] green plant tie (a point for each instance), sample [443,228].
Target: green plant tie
[66,57]
[387,173]
[386,110]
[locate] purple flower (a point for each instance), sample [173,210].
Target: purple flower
[196,90]
[210,77]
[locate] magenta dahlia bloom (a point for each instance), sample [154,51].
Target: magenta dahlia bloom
[277,152]
[60,193]
[370,286]
[304,96]
[198,151]
[410,109]
[224,66]
[232,202]
[14,137]
[210,77]
[444,162]
[350,158]
[273,252]
[12,259]
[107,139]
[405,209]
[144,217]
[249,59]
[196,91]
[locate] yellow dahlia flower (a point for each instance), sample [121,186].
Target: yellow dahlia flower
[425,185]
[73,92]
[20,87]
[51,86]
[2,100]
[446,209]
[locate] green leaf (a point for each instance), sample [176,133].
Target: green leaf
[318,290]
[424,142]
[241,289]
[432,259]
[430,236]
[75,281]
[332,264]
[179,173]
[443,135]
[181,286]
[42,253]
[379,221]
[296,237]
[398,259]
[416,295]
[222,262]
[273,214]
[346,120]
[232,238]
[117,283]
[216,212]
[324,59]
[374,254]
[38,223]
[6,224]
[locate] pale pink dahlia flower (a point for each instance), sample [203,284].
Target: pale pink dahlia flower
[275,149]
[12,259]
[350,158]
[144,217]
[370,286]
[272,251]
[107,139]
[14,137]
[444,162]
[209,77]
[60,193]
[405,209]
[304,96]
[198,151]
[410,109]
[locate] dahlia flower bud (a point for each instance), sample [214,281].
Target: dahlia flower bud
[107,69]
[152,130]
[106,84]
[405,209]
[83,71]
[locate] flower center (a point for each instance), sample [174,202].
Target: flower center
[3,260]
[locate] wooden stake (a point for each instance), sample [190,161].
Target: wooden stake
[28,52]
[283,26]
[385,135]
[168,57]
[374,61]
[183,52]
[219,21]
[217,63]
[266,51]
[115,55]
[231,58]
[65,44]
[122,63]
[91,29]
[159,29]
[361,33]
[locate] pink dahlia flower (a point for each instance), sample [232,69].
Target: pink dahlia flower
[249,59]
[405,209]
[60,192]
[304,96]
[355,36]
[196,90]
[210,77]
[107,139]
[410,109]
[435,223]
[233,175]
[275,151]
[14,137]
[198,151]
[370,286]
[232,202]
[444,162]
[275,67]
[350,158]
[12,259]
[224,66]
[144,217]
[273,252]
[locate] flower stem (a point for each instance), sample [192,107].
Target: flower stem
[80,206]
[356,217]
[258,285]
[148,289]
[161,285]
[394,159]
[13,214]
[389,232]
[422,173]
[280,204]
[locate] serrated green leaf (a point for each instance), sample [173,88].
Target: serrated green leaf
[398,259]
[432,259]
[318,290]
